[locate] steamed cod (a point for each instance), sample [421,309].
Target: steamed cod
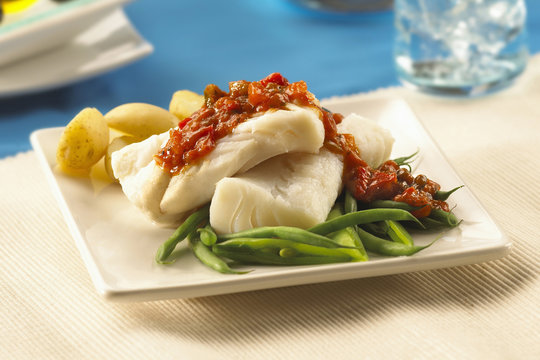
[294,189]
[168,199]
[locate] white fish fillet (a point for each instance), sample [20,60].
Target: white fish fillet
[168,199]
[290,190]
[293,189]
[374,142]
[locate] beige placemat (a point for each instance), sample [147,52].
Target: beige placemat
[50,310]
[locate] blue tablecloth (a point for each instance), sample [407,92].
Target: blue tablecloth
[216,41]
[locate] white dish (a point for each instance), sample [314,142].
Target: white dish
[108,44]
[118,244]
[48,24]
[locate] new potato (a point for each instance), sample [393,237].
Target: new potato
[83,142]
[184,103]
[140,119]
[85,139]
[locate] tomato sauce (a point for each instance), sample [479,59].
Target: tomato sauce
[391,182]
[197,135]
[222,112]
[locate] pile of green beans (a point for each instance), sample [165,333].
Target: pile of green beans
[347,235]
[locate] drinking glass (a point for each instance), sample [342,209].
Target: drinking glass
[459,46]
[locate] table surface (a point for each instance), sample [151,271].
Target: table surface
[237,39]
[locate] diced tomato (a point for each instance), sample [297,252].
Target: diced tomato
[275,78]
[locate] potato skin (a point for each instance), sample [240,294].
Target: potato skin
[140,119]
[83,142]
[184,103]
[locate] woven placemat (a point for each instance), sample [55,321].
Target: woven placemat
[50,309]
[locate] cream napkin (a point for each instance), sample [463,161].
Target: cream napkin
[50,310]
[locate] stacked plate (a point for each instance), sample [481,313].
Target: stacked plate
[52,43]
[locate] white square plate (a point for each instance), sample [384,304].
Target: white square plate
[118,244]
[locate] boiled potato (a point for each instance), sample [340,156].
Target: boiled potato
[140,120]
[184,103]
[117,144]
[83,142]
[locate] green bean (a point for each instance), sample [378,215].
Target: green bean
[258,257]
[191,223]
[350,204]
[406,160]
[430,223]
[444,195]
[362,217]
[248,245]
[208,258]
[391,204]
[348,236]
[385,247]
[287,252]
[403,160]
[391,230]
[207,234]
[397,233]
[445,217]
[379,228]
[284,232]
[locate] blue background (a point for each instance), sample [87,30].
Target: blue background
[216,41]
